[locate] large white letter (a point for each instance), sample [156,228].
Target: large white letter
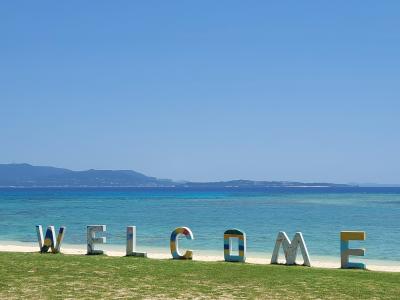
[50,240]
[345,251]
[290,249]
[234,234]
[92,239]
[174,243]
[131,243]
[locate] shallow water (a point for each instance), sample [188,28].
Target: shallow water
[319,213]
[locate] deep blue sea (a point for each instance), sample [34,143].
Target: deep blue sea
[319,213]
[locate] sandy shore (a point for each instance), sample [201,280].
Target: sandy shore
[200,256]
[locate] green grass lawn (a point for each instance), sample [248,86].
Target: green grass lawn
[48,276]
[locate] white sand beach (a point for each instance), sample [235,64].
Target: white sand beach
[200,255]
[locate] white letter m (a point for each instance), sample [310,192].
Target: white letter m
[290,249]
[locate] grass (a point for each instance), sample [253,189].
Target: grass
[48,276]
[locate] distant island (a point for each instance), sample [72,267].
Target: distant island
[26,175]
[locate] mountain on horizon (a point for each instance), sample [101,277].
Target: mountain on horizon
[26,175]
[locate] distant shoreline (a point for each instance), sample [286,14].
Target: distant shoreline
[26,175]
[185,187]
[349,187]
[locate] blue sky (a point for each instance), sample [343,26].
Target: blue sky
[300,90]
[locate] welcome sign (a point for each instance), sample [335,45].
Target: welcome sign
[290,247]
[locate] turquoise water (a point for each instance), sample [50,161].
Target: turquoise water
[319,213]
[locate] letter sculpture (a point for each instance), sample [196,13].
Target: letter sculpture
[50,240]
[228,236]
[290,249]
[131,243]
[174,243]
[345,252]
[92,239]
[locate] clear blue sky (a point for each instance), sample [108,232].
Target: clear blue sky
[207,90]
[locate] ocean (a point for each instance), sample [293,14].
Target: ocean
[319,213]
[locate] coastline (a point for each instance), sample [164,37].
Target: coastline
[199,255]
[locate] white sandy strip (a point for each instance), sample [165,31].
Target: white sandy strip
[157,255]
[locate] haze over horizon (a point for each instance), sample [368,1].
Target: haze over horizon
[205,91]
